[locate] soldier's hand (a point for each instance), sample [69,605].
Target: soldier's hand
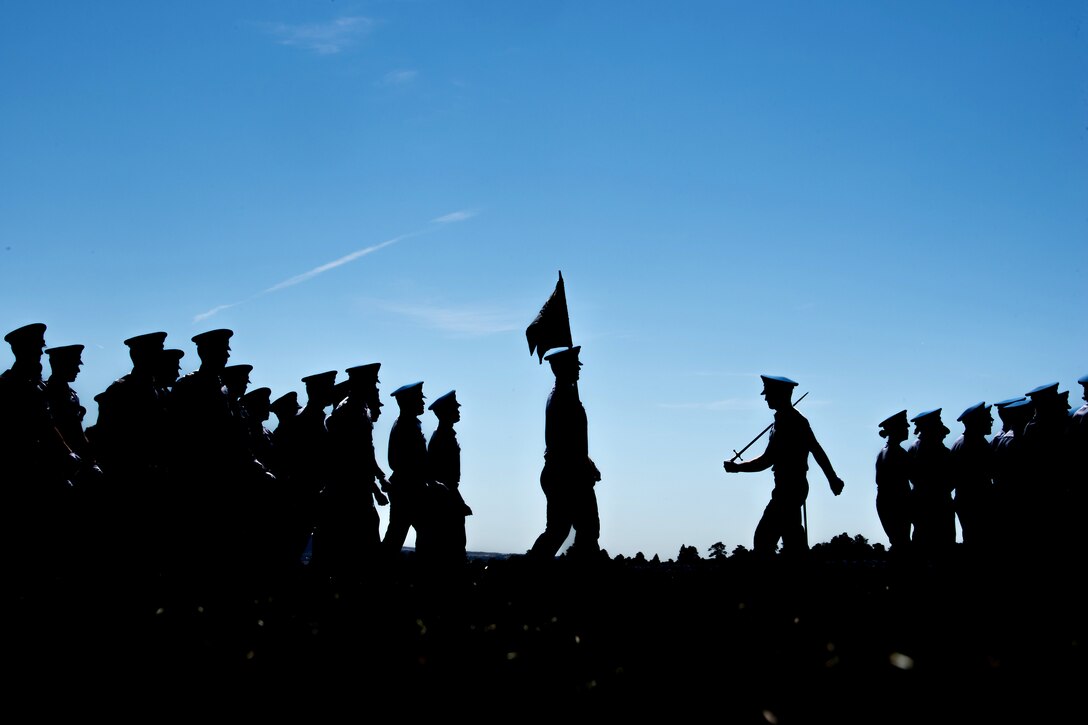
[731,467]
[837,485]
[381,498]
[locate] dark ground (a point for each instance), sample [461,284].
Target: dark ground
[839,637]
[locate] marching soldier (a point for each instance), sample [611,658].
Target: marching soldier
[791,443]
[130,434]
[168,370]
[350,530]
[408,481]
[1051,520]
[972,475]
[256,404]
[286,410]
[38,464]
[288,540]
[569,476]
[78,518]
[932,486]
[893,482]
[444,464]
[311,457]
[1011,490]
[64,405]
[131,440]
[210,463]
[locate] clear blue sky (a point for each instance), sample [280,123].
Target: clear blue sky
[885,201]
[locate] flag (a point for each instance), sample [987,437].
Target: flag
[551,328]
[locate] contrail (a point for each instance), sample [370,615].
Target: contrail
[334,264]
[456,216]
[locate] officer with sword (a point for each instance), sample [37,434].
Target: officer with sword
[788,448]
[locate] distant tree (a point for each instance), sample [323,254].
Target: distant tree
[656,559]
[717,551]
[640,558]
[845,546]
[688,555]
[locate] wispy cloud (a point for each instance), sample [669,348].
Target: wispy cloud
[466,321]
[457,216]
[399,77]
[466,324]
[326,38]
[297,279]
[214,311]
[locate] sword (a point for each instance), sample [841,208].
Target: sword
[737,454]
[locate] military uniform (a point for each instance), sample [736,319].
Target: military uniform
[569,476]
[932,486]
[312,459]
[350,529]
[1050,519]
[1011,488]
[972,461]
[407,456]
[893,483]
[37,464]
[207,464]
[444,465]
[790,443]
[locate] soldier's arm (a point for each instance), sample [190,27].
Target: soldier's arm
[820,456]
[759,463]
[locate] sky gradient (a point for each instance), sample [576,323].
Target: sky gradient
[884,201]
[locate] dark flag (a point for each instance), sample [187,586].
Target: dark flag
[551,328]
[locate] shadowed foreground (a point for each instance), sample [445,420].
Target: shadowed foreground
[828,640]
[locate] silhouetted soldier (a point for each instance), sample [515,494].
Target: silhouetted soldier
[312,457]
[788,448]
[131,439]
[932,486]
[256,404]
[1078,432]
[78,521]
[340,393]
[407,458]
[167,369]
[67,412]
[972,460]
[211,463]
[569,476]
[288,541]
[1080,415]
[130,434]
[37,464]
[286,409]
[1051,521]
[264,507]
[350,529]
[236,380]
[1011,490]
[893,504]
[1077,454]
[444,464]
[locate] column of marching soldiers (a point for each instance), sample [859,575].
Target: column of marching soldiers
[180,483]
[180,476]
[1018,492]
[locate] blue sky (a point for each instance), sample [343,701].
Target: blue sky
[885,201]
